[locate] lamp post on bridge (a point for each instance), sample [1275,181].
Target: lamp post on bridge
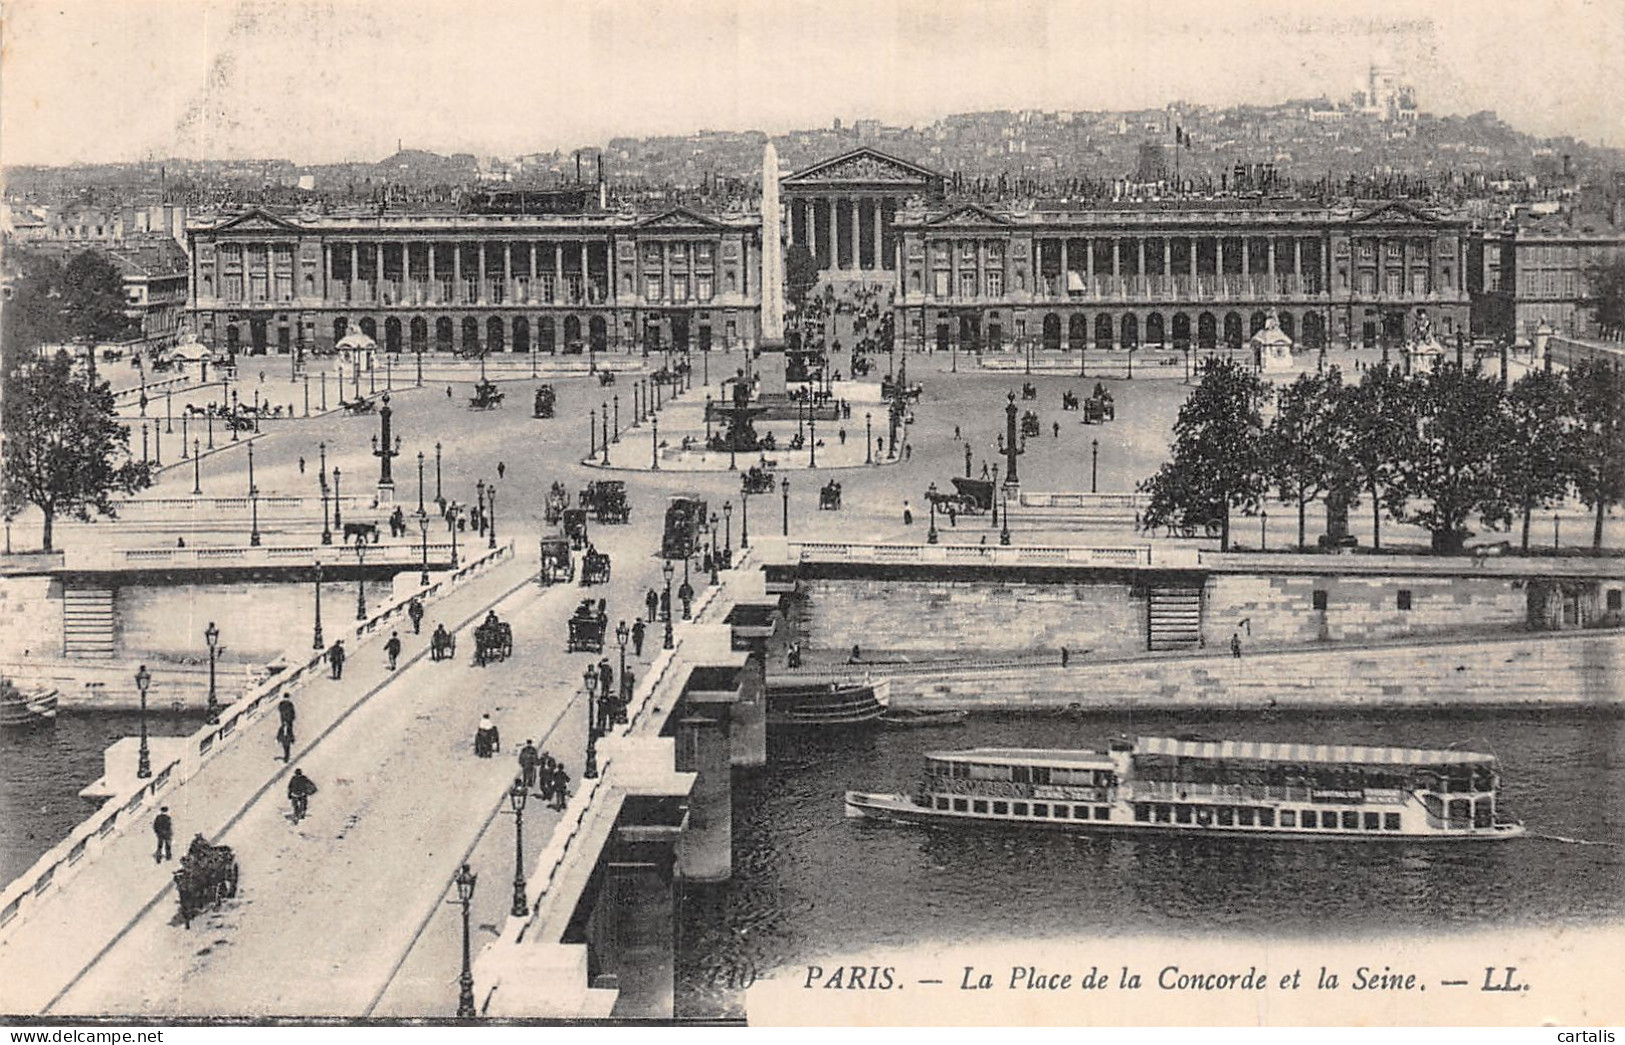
[491,516]
[361,577]
[785,488]
[516,801]
[185,438]
[420,483]
[931,536]
[744,514]
[1094,465]
[211,635]
[714,521]
[423,526]
[316,642]
[728,533]
[667,570]
[437,497]
[197,467]
[622,633]
[589,679]
[143,762]
[464,880]
[169,411]
[253,501]
[338,521]
[812,441]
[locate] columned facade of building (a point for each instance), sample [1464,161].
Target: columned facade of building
[469,284]
[844,211]
[1187,278]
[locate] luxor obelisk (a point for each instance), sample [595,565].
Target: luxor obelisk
[771,343]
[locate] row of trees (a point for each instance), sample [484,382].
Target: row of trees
[64,451]
[1438,450]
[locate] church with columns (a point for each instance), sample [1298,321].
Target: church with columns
[1185,274]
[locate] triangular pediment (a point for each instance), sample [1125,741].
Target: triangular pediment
[1396,213]
[863,166]
[680,218]
[257,220]
[970,214]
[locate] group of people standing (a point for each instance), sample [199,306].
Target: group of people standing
[543,775]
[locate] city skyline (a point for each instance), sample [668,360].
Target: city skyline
[106,83]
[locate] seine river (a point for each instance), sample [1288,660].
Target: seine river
[809,883]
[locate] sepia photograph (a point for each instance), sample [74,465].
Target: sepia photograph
[895,513]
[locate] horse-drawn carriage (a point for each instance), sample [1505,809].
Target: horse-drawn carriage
[970,497]
[493,640]
[606,378]
[558,499]
[587,627]
[207,875]
[594,568]
[829,496]
[358,407]
[1099,408]
[239,423]
[442,645]
[606,499]
[1029,390]
[557,563]
[1069,400]
[545,400]
[575,527]
[1029,424]
[890,389]
[757,480]
[486,395]
[685,521]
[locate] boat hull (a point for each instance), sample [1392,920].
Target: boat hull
[19,710]
[903,809]
[802,705]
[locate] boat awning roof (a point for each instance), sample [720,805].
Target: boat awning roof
[1020,756]
[1262,751]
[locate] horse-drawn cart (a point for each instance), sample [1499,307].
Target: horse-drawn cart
[557,501]
[757,480]
[587,634]
[829,497]
[493,640]
[557,563]
[575,527]
[594,568]
[606,499]
[208,874]
[486,396]
[545,400]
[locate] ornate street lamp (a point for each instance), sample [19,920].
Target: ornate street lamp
[589,678]
[143,762]
[316,638]
[668,569]
[491,516]
[622,633]
[211,635]
[361,578]
[785,488]
[197,467]
[714,521]
[603,416]
[1094,465]
[516,801]
[464,880]
[451,526]
[654,442]
[592,434]
[1263,522]
[423,526]
[868,438]
[931,496]
[479,501]
[744,513]
[437,497]
[616,428]
[338,521]
[728,533]
[420,482]
[812,441]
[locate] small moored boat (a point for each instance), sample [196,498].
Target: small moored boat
[1209,787]
[20,708]
[826,703]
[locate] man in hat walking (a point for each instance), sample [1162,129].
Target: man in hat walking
[164,829]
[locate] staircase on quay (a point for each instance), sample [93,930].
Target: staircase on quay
[87,623]
[1173,618]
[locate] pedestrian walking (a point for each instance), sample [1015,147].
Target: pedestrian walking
[448,391]
[335,658]
[561,787]
[300,788]
[528,760]
[301,466]
[957,437]
[1066,655]
[908,515]
[414,610]
[665,605]
[652,602]
[908,451]
[393,649]
[1235,644]
[284,731]
[163,828]
[487,741]
[502,470]
[637,637]
[1057,428]
[843,436]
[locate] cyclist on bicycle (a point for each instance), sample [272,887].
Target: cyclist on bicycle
[300,788]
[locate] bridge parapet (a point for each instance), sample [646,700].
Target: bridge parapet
[58,865]
[103,559]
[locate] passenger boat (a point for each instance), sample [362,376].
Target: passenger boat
[19,708]
[801,703]
[1206,787]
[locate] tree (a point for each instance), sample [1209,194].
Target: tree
[1597,446]
[1605,293]
[800,274]
[1379,417]
[1451,473]
[1533,461]
[93,298]
[1216,463]
[65,453]
[33,315]
[1302,449]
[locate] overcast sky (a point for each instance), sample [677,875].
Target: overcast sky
[322,80]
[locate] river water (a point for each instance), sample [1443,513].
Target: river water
[42,770]
[809,883]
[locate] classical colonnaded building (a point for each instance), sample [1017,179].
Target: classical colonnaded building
[1197,274]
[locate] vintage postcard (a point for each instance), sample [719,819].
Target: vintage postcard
[856,513]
